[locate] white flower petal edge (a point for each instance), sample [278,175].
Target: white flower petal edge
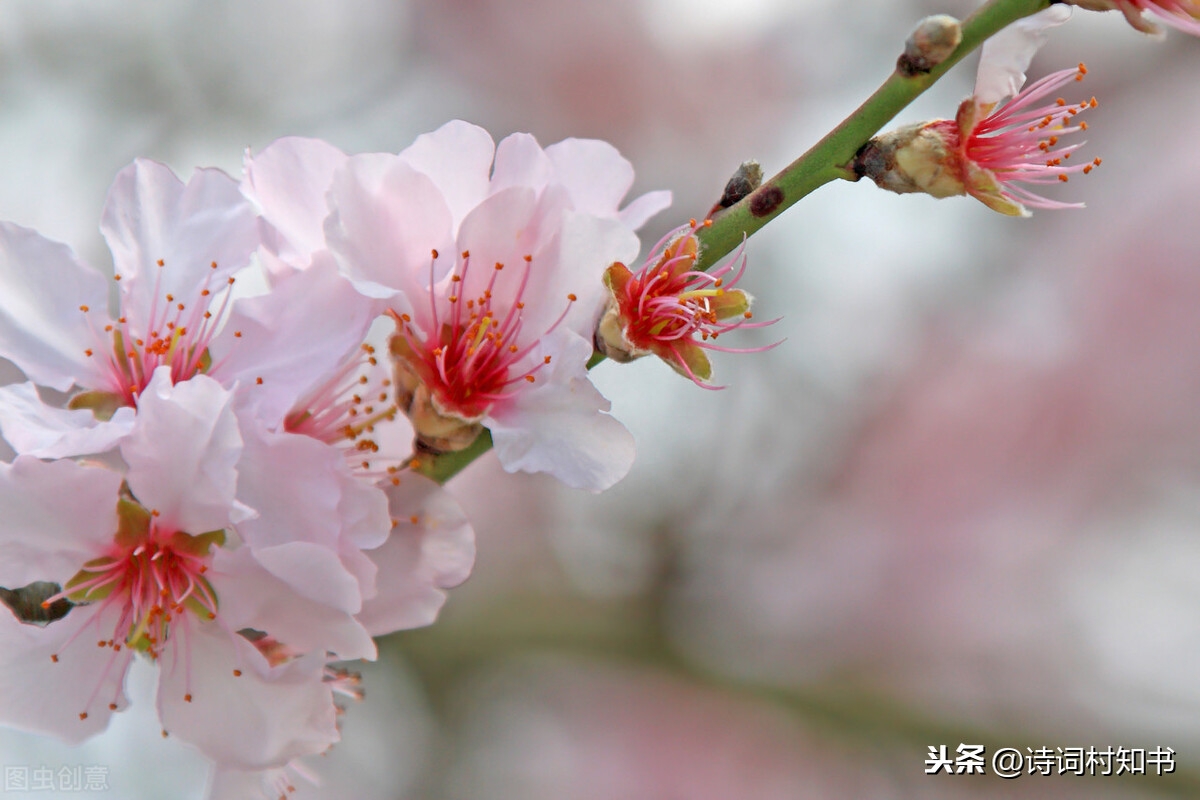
[33,428]
[45,696]
[57,515]
[431,548]
[243,712]
[1005,57]
[43,330]
[152,216]
[561,426]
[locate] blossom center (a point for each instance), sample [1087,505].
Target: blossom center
[473,351]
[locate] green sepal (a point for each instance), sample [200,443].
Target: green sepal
[102,404]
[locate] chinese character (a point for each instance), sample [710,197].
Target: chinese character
[938,761]
[95,779]
[16,778]
[1131,761]
[1162,759]
[1042,761]
[1070,760]
[70,779]
[1099,758]
[43,779]
[970,759]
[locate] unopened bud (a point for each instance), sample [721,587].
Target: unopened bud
[745,180]
[931,43]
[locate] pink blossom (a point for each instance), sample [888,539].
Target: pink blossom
[147,562]
[1002,141]
[490,261]
[1183,15]
[673,310]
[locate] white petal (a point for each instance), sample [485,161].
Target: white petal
[420,559]
[595,174]
[57,515]
[458,158]
[262,718]
[292,338]
[641,209]
[387,220]
[42,327]
[252,597]
[1005,57]
[559,427]
[48,696]
[34,428]
[151,215]
[289,181]
[182,452]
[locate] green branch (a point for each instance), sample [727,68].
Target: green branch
[823,163]
[826,160]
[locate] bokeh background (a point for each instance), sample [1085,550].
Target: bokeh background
[960,503]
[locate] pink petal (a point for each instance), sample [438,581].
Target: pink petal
[292,338]
[289,181]
[387,220]
[641,209]
[42,327]
[252,597]
[420,559]
[151,215]
[520,161]
[458,159]
[305,494]
[57,515]
[48,696]
[596,175]
[314,572]
[183,451]
[34,428]
[262,718]
[560,426]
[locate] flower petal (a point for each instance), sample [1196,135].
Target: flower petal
[1005,57]
[253,597]
[57,515]
[261,718]
[289,181]
[387,220]
[49,696]
[34,428]
[458,159]
[641,209]
[595,174]
[150,215]
[183,451]
[560,426]
[43,329]
[431,548]
[521,161]
[281,344]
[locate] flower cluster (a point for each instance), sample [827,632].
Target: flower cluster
[214,478]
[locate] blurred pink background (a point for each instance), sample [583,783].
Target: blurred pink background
[961,503]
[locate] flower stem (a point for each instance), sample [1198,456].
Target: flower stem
[824,162]
[827,159]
